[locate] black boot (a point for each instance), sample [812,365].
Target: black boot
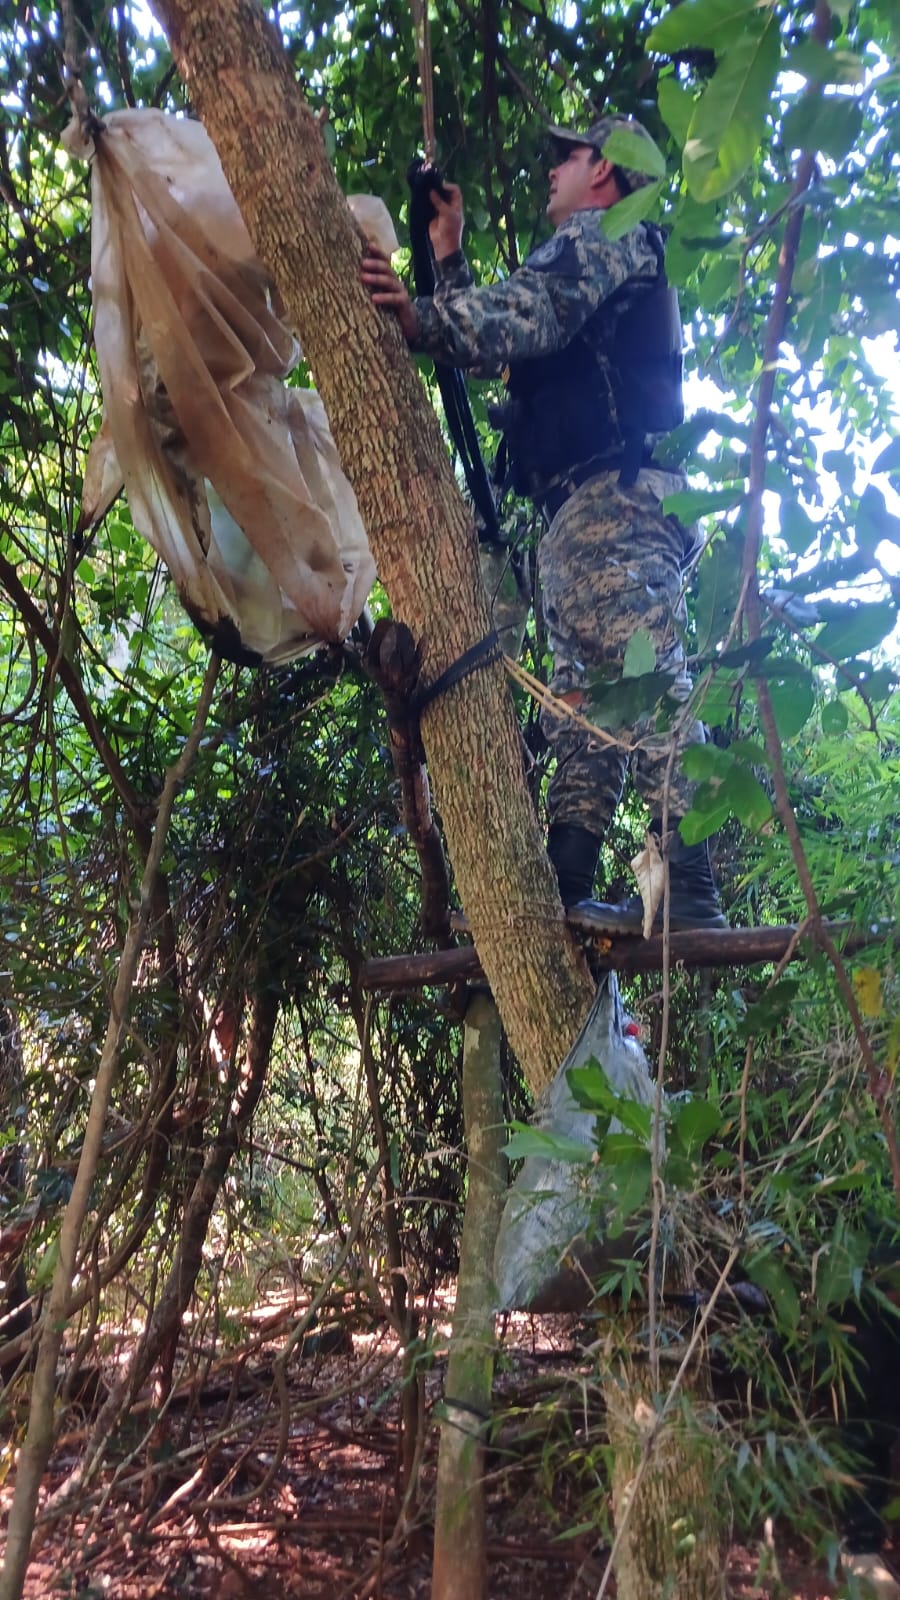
[693,897]
[574,853]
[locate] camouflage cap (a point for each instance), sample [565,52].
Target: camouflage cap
[596,136]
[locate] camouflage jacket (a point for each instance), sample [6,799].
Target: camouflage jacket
[539,309]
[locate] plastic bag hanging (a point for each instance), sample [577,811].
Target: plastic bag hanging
[231,475]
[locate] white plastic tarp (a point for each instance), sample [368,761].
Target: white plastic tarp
[231,475]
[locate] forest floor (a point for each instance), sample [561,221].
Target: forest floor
[251,1491]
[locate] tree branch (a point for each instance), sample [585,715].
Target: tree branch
[719,947]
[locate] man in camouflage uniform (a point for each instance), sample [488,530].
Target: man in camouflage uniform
[610,562]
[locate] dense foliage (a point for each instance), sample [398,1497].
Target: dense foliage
[287,862]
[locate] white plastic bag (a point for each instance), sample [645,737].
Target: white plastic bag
[551,1240]
[231,475]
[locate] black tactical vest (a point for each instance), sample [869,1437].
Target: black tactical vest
[600,401]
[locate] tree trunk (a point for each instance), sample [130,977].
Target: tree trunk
[460,1533]
[390,444]
[661,1471]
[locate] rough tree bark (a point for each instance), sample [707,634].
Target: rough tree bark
[422,537]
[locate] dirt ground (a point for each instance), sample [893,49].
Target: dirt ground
[245,1491]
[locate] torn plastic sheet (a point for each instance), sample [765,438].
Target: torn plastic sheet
[650,870]
[231,475]
[551,1240]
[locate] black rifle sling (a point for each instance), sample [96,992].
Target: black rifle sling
[423,178]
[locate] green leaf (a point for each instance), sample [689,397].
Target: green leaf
[751,654]
[694,1122]
[889,459]
[772,1275]
[750,751]
[818,63]
[635,150]
[42,1276]
[719,699]
[627,213]
[718,589]
[879,684]
[829,126]
[689,504]
[594,1092]
[747,797]
[120,535]
[727,787]
[676,107]
[702,761]
[622,703]
[548,1146]
[874,524]
[861,627]
[770,1010]
[797,528]
[835,719]
[630,1173]
[793,702]
[681,1170]
[705,817]
[712,24]
[728,121]
[718,283]
[640,655]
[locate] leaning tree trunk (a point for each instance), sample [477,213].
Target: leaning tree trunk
[422,536]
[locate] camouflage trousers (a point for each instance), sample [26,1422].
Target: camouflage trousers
[611,563]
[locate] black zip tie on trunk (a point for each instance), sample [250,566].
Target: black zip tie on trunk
[483,654]
[423,178]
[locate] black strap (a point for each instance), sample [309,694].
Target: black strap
[465,1405]
[628,468]
[483,654]
[423,178]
